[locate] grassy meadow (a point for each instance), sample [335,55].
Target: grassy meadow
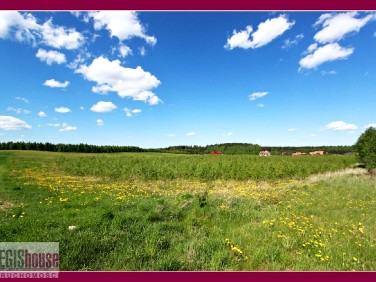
[153,211]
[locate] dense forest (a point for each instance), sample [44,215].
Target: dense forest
[226,148]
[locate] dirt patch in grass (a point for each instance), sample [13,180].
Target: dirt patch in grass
[4,205]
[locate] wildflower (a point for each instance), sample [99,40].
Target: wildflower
[355,259]
[72,227]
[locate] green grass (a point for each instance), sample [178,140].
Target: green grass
[187,222]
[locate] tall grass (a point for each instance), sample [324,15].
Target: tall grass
[198,167]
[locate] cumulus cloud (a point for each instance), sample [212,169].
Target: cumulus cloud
[336,26]
[100,122]
[18,110]
[55,84]
[62,110]
[122,24]
[24,27]
[127,82]
[327,53]
[256,95]
[130,112]
[266,32]
[42,114]
[66,127]
[12,123]
[340,126]
[103,107]
[51,57]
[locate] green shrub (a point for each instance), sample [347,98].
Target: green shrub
[366,148]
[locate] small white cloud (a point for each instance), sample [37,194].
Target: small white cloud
[337,25]
[142,51]
[62,110]
[82,108]
[51,57]
[170,134]
[288,43]
[261,105]
[122,24]
[327,53]
[332,72]
[42,114]
[103,107]
[100,122]
[266,32]
[292,129]
[18,110]
[228,134]
[12,123]
[340,126]
[55,84]
[22,99]
[256,95]
[66,127]
[54,124]
[124,51]
[370,125]
[190,134]
[312,135]
[130,112]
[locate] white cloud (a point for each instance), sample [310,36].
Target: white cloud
[170,134]
[370,125]
[127,82]
[332,72]
[103,107]
[66,127]
[51,57]
[12,123]
[18,110]
[261,105]
[266,32]
[54,124]
[55,84]
[288,43]
[42,114]
[121,24]
[327,53]
[340,126]
[256,95]
[24,27]
[130,112]
[124,51]
[62,110]
[142,51]
[228,134]
[312,135]
[292,129]
[190,134]
[22,99]
[82,108]
[100,122]
[337,25]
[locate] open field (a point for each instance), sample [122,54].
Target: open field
[148,211]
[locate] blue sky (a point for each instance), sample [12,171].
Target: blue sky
[156,79]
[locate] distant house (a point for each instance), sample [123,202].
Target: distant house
[316,153]
[265,153]
[216,153]
[299,154]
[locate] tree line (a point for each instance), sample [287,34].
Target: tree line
[225,148]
